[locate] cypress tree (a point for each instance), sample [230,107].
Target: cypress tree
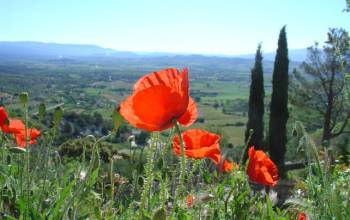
[256,105]
[278,106]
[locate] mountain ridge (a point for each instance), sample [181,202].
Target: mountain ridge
[58,50]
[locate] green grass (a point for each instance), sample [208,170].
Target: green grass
[224,90]
[216,120]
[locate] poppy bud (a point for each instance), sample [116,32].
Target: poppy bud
[42,111]
[57,116]
[117,119]
[23,97]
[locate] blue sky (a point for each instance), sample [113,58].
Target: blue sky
[192,26]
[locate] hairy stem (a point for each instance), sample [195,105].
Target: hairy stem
[149,175]
[180,188]
[27,158]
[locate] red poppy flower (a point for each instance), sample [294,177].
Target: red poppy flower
[14,126]
[227,166]
[157,99]
[261,169]
[32,134]
[302,216]
[17,128]
[199,144]
[3,117]
[189,200]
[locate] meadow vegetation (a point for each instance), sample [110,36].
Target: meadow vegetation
[94,160]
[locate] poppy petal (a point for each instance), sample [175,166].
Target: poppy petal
[271,167]
[149,108]
[14,126]
[190,115]
[3,116]
[199,144]
[189,200]
[170,77]
[158,98]
[302,216]
[261,169]
[265,176]
[33,134]
[20,137]
[227,166]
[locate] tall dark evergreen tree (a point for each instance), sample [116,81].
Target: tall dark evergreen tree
[279,104]
[256,105]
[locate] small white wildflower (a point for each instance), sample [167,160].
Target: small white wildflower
[133,143]
[273,197]
[131,138]
[299,192]
[82,175]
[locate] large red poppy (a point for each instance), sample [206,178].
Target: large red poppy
[261,169]
[199,144]
[157,99]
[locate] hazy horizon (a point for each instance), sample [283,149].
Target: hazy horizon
[150,52]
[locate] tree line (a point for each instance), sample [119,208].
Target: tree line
[318,84]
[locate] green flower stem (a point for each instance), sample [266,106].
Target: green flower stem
[135,184]
[46,164]
[22,164]
[163,191]
[183,159]
[180,189]
[112,182]
[28,157]
[149,174]
[196,164]
[164,182]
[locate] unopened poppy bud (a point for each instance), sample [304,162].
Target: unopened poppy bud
[57,116]
[117,119]
[23,97]
[42,111]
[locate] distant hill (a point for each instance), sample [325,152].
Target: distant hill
[296,55]
[25,49]
[69,54]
